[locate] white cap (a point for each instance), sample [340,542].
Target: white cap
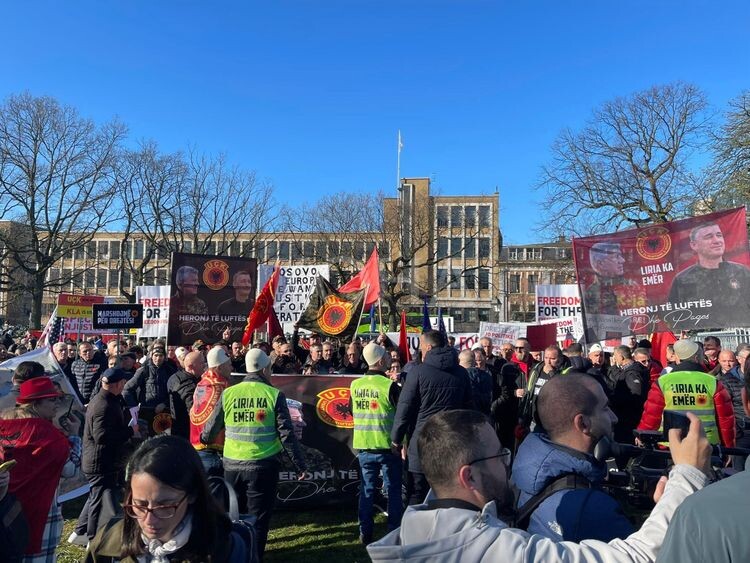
[217,356]
[256,360]
[373,353]
[595,348]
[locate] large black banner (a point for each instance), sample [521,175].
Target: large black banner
[209,295]
[319,409]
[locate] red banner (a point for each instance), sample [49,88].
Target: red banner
[692,274]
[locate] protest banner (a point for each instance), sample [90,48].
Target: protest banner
[557,301]
[117,316]
[691,274]
[501,332]
[77,311]
[210,294]
[155,301]
[319,407]
[296,284]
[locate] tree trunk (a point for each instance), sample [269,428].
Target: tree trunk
[37,294]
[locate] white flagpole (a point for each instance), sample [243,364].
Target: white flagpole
[398,161]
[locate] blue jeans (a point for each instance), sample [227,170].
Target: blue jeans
[370,465]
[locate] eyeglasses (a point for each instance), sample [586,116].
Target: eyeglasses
[520,348]
[163,512]
[504,456]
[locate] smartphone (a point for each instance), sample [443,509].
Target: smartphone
[674,419]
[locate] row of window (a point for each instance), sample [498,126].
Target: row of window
[514,282]
[520,253]
[458,247]
[463,216]
[263,250]
[470,279]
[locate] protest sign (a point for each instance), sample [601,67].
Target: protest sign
[691,274]
[557,301]
[155,301]
[319,408]
[77,310]
[464,340]
[118,317]
[210,294]
[296,284]
[501,332]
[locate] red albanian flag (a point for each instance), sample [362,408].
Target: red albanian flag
[403,341]
[263,306]
[368,277]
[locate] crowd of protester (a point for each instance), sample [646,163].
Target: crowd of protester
[465,445]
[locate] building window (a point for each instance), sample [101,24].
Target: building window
[484,216]
[484,247]
[211,249]
[457,314]
[114,249]
[533,254]
[470,279]
[54,275]
[456,247]
[514,283]
[139,250]
[484,278]
[470,315]
[484,315]
[161,276]
[455,216]
[272,250]
[563,253]
[442,216]
[234,248]
[385,250]
[320,251]
[513,254]
[346,251]
[261,251]
[470,248]
[187,246]
[359,251]
[296,251]
[442,278]
[455,279]
[442,251]
[78,253]
[89,279]
[470,216]
[284,250]
[127,280]
[531,281]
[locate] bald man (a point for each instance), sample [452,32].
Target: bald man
[181,387]
[574,413]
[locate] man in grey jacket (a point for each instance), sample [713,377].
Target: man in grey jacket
[465,464]
[712,525]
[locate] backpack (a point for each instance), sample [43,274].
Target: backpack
[244,535]
[566,481]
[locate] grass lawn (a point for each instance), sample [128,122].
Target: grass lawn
[327,535]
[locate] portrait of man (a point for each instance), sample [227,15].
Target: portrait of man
[242,301]
[726,284]
[185,300]
[611,291]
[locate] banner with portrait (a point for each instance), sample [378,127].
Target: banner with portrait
[209,295]
[319,406]
[691,274]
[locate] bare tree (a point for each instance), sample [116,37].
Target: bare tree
[57,183]
[732,151]
[187,203]
[630,165]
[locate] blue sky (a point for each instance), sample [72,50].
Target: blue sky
[311,94]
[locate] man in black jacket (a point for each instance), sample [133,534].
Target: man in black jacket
[86,370]
[105,432]
[437,384]
[630,385]
[148,387]
[181,387]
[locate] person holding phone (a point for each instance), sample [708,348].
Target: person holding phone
[688,390]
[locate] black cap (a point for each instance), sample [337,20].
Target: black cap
[113,375]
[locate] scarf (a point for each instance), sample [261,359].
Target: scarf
[158,552]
